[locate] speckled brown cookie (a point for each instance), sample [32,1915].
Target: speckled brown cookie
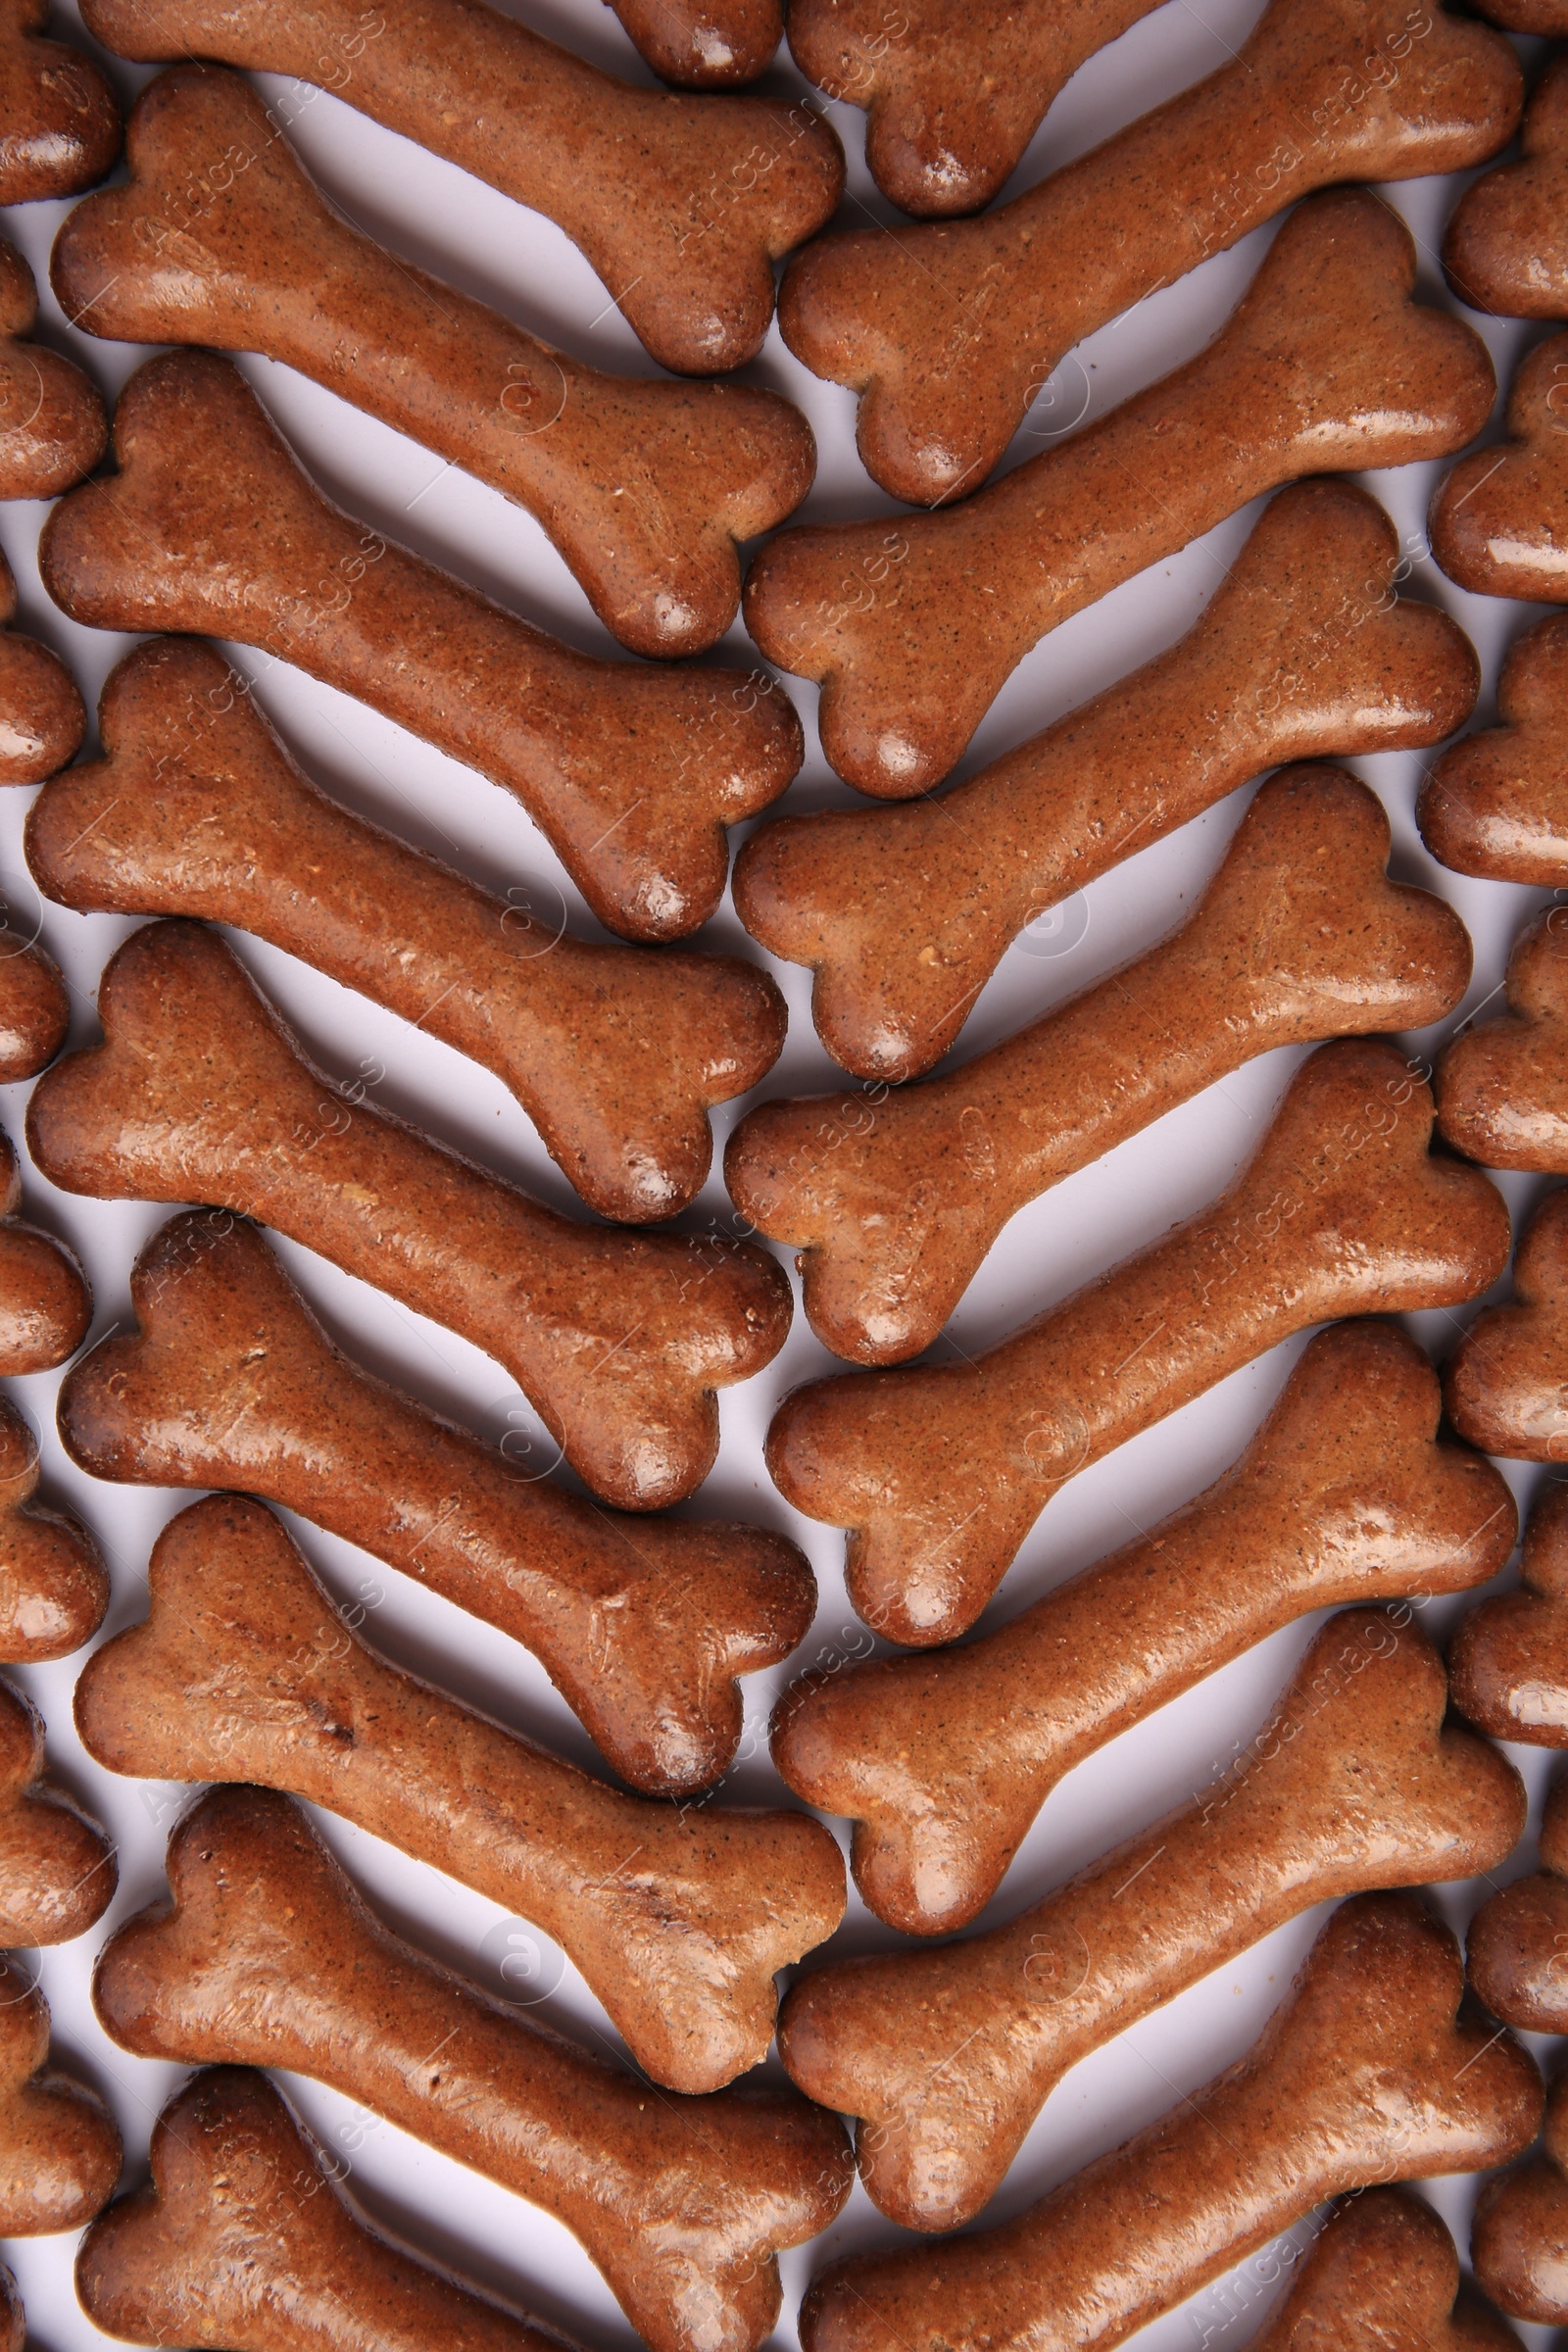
[52,424]
[942,1760]
[1496,803]
[1505,1384]
[903,914]
[938,1473]
[56,1868]
[645,486]
[950,333]
[1363,2073]
[1503,1087]
[246,1670]
[59,119]
[705,44]
[952,96]
[616,1052]
[682,205]
[912,625]
[1518,1939]
[45,1305]
[1528,16]
[211,530]
[53,1587]
[945,2056]
[200,1092]
[1498,523]
[245,2237]
[1506,247]
[269,1956]
[1382,2275]
[1300,935]
[230,1382]
[59,2148]
[1509,1661]
[42,720]
[1519,2238]
[34,1010]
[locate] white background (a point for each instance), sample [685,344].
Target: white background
[515,260]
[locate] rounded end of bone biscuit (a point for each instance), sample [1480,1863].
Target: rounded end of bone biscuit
[44,717]
[705,44]
[1519,2243]
[68,133]
[45,1305]
[1517,1954]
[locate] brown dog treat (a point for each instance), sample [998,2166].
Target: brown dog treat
[53,1587]
[34,1010]
[682,205]
[1381,2276]
[45,1305]
[42,720]
[949,333]
[1300,936]
[1528,16]
[705,44]
[1505,1385]
[946,2057]
[616,1052]
[52,424]
[266,1955]
[1502,1088]
[938,1473]
[1506,249]
[1518,1939]
[1498,523]
[59,119]
[944,1759]
[1363,2073]
[231,1383]
[1519,2238]
[56,1868]
[645,486]
[1508,1661]
[911,628]
[952,98]
[200,1092]
[245,2237]
[245,1670]
[1496,803]
[59,2148]
[211,530]
[903,914]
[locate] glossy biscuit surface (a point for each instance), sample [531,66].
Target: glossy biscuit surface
[1498,521]
[59,119]
[42,720]
[57,1867]
[54,1589]
[52,424]
[1506,247]
[268,1955]
[1505,1384]
[1382,2275]
[1496,803]
[1509,1661]
[59,2148]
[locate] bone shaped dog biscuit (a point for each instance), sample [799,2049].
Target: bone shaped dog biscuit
[938,1473]
[245,2236]
[211,530]
[1498,523]
[1519,2236]
[34,1010]
[231,1383]
[1517,1947]
[949,333]
[645,487]
[682,205]
[952,98]
[245,1670]
[705,44]
[903,914]
[52,424]
[56,1868]
[1546,16]
[268,1955]
[53,1587]
[45,1305]
[59,120]
[1506,247]
[59,2148]
[1505,1384]
[947,2056]
[1508,1661]
[911,628]
[1300,936]
[1363,2073]
[942,1760]
[200,1092]
[42,720]
[616,1052]
[1496,803]
[1382,2275]
[1502,1088]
